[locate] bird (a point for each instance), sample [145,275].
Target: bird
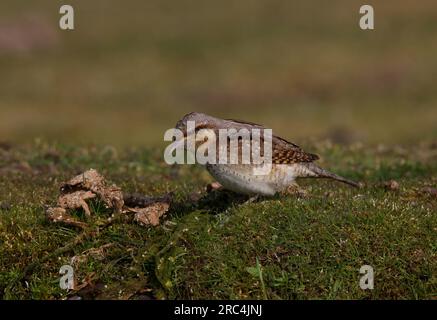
[288,160]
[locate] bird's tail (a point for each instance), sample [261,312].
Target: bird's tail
[322,173]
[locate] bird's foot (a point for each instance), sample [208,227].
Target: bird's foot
[254,199]
[214,186]
[294,190]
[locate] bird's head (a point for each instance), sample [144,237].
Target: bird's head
[200,121]
[194,122]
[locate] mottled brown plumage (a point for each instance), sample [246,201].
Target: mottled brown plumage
[283,151]
[289,161]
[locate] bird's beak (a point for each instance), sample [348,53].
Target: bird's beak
[180,143]
[185,141]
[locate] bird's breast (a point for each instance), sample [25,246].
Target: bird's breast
[242,179]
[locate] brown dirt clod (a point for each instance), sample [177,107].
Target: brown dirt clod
[91,184]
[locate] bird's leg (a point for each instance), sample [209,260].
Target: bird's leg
[294,190]
[214,186]
[254,199]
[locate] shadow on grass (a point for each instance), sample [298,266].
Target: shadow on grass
[214,202]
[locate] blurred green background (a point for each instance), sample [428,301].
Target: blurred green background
[131,69]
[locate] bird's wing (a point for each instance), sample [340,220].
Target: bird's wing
[283,151]
[246,124]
